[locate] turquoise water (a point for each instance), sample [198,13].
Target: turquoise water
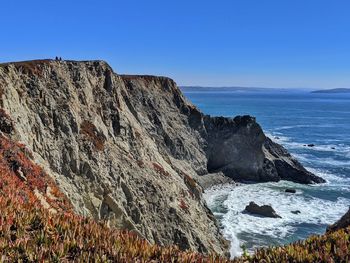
[293,119]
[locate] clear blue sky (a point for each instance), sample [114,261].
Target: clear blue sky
[265,43]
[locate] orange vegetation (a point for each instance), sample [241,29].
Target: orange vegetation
[94,136]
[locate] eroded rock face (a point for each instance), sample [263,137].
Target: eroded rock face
[119,147]
[239,148]
[130,149]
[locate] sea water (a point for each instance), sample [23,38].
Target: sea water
[293,118]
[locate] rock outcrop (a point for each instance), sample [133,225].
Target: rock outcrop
[290,190]
[264,210]
[131,149]
[239,148]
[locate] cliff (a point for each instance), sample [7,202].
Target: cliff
[131,150]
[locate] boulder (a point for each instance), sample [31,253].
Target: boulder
[264,210]
[290,190]
[296,212]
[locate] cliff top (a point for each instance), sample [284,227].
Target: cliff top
[33,64]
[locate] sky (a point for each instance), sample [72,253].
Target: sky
[253,43]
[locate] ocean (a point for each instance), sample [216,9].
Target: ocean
[293,118]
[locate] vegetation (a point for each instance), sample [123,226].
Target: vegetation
[97,138]
[194,190]
[331,247]
[30,232]
[34,67]
[160,170]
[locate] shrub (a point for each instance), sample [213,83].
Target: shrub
[330,247]
[30,233]
[25,176]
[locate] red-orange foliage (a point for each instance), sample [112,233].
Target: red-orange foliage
[33,67]
[22,175]
[183,205]
[140,163]
[29,233]
[93,134]
[160,170]
[190,182]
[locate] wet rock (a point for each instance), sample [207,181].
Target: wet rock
[290,190]
[264,210]
[296,212]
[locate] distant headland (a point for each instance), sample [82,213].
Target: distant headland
[340,90]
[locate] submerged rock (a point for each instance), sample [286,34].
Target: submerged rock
[264,210]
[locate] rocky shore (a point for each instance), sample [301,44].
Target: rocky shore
[133,151]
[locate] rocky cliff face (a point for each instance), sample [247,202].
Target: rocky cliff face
[131,149]
[239,148]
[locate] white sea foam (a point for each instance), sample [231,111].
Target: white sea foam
[312,210]
[341,150]
[332,179]
[328,160]
[288,127]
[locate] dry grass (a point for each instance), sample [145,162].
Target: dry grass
[33,67]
